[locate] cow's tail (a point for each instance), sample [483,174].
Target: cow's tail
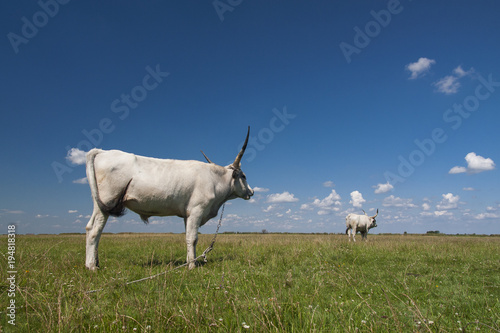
[118,209]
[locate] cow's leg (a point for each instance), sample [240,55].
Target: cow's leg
[348,234]
[363,236]
[94,229]
[192,225]
[353,231]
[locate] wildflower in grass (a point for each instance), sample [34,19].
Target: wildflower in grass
[363,322]
[245,325]
[431,322]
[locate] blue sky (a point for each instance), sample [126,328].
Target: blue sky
[352,105]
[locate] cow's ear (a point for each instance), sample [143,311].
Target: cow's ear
[235,173]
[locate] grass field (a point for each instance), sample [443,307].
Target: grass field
[257,283]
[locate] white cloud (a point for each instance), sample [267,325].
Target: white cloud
[475,164]
[328,183]
[483,216]
[81,181]
[306,207]
[332,199]
[76,156]
[260,189]
[8,211]
[457,169]
[449,201]
[72,211]
[357,199]
[392,201]
[426,206]
[326,205]
[269,208]
[450,83]
[442,213]
[420,67]
[461,73]
[468,189]
[383,188]
[281,197]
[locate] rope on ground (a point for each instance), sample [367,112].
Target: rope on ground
[204,255]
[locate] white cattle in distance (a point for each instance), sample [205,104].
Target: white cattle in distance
[148,186]
[361,223]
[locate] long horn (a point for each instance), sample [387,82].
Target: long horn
[237,161]
[208,160]
[374,216]
[364,212]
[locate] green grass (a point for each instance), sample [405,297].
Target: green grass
[266,282]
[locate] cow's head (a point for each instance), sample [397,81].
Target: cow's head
[239,184]
[373,222]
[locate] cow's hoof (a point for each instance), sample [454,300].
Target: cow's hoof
[92,268]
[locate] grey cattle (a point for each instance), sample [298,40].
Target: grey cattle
[148,186]
[361,223]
